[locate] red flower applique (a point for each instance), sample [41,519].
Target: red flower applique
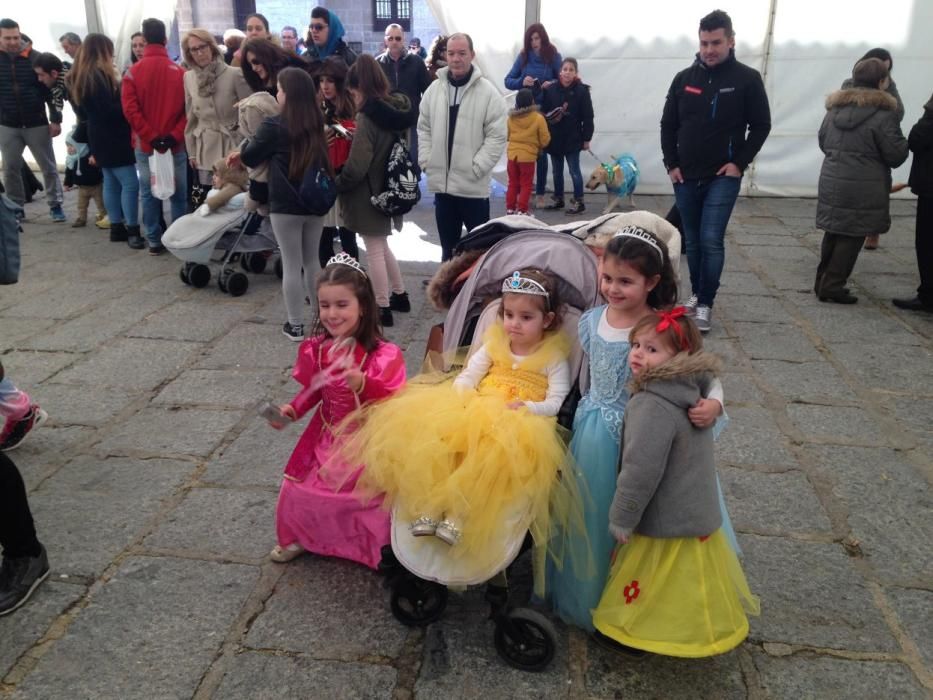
[631,592]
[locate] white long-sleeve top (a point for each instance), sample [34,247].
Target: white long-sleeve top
[558,381]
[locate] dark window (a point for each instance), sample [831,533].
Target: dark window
[386,12]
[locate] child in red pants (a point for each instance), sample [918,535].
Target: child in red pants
[528,136]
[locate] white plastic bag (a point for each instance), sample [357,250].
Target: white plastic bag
[162,174]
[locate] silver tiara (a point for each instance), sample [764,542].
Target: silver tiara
[642,235]
[348,260]
[516,284]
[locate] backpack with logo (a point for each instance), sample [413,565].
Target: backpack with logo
[9,240]
[401,192]
[318,191]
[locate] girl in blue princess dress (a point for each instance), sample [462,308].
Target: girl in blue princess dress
[636,278]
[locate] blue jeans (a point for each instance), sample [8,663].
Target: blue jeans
[121,195]
[152,207]
[541,174]
[576,177]
[705,207]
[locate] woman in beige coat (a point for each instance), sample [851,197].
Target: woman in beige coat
[212,89]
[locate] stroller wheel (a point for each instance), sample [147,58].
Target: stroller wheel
[278,268]
[183,273]
[418,603]
[526,639]
[251,262]
[237,284]
[199,276]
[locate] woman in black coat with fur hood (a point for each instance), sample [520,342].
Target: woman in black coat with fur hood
[862,140]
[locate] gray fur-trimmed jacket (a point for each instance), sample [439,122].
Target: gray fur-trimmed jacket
[862,140]
[667,472]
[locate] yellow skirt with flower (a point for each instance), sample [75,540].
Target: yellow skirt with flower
[679,597]
[468,458]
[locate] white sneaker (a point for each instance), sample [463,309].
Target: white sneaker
[702,317]
[691,305]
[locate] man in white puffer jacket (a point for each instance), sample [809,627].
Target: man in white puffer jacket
[461,136]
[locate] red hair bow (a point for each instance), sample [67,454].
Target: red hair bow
[669,320]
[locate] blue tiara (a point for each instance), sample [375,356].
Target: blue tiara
[516,284]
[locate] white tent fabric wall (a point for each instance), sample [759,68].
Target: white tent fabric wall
[118,19]
[629,54]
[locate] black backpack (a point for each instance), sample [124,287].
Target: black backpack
[401,192]
[318,191]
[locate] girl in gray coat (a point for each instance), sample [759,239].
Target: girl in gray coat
[676,586]
[862,139]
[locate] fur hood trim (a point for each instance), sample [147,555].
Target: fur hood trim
[681,365]
[519,111]
[443,287]
[861,97]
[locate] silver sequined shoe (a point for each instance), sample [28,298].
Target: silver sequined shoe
[447,532]
[424,526]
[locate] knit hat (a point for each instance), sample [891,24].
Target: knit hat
[524,99]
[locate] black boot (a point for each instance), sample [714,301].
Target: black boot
[385,316]
[133,239]
[400,302]
[118,233]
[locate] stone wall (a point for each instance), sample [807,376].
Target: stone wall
[356,15]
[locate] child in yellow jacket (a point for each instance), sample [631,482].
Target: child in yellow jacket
[528,136]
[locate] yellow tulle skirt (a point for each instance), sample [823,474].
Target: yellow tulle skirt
[467,458]
[679,597]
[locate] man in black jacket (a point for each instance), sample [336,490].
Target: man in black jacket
[23,120]
[716,119]
[920,141]
[406,73]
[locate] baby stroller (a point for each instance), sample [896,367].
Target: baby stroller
[225,236]
[419,570]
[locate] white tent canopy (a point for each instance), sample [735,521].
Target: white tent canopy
[629,53]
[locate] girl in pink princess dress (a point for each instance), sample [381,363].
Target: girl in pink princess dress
[346,364]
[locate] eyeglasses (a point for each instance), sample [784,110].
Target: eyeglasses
[198,49]
[393,38]
[318,27]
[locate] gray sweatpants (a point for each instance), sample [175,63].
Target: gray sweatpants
[298,238]
[13,142]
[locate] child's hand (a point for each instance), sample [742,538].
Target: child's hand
[704,413]
[68,188]
[288,412]
[354,379]
[515,405]
[92,160]
[621,538]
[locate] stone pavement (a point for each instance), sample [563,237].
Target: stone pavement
[154,482]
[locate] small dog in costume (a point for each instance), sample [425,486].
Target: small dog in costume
[620,176]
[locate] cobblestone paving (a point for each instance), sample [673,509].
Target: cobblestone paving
[154,482]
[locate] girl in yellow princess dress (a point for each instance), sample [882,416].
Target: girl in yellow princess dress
[455,458]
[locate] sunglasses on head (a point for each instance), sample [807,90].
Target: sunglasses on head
[318,27]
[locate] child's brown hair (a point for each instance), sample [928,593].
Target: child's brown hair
[550,303]
[674,328]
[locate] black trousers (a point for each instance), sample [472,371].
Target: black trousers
[347,242]
[924,243]
[452,213]
[17,531]
[838,254]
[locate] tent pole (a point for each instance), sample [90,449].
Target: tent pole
[92,16]
[765,66]
[532,11]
